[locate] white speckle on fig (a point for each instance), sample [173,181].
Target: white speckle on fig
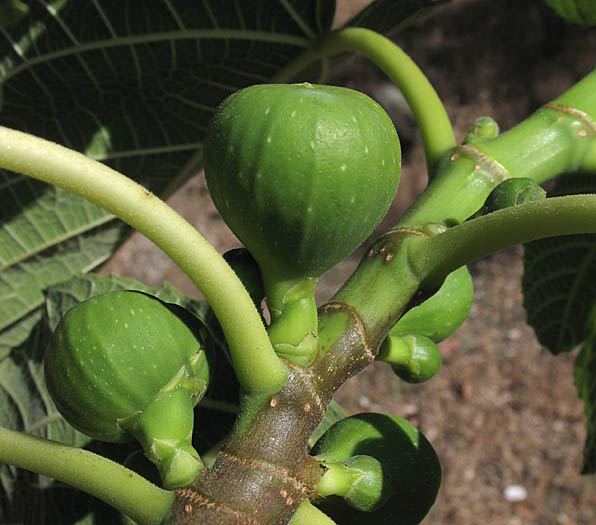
[343,167]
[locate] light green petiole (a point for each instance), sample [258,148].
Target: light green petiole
[429,111]
[432,258]
[118,486]
[257,366]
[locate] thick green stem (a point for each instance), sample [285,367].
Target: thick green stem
[554,140]
[429,111]
[435,257]
[118,486]
[581,96]
[559,138]
[385,273]
[255,362]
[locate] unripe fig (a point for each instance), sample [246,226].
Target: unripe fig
[119,365]
[414,358]
[302,174]
[360,480]
[481,130]
[411,469]
[443,312]
[512,192]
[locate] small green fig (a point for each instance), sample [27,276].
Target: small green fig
[481,130]
[360,480]
[411,469]
[414,358]
[512,192]
[120,365]
[443,312]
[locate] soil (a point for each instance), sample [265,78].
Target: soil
[502,412]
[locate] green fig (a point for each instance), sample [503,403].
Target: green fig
[411,470]
[302,174]
[120,365]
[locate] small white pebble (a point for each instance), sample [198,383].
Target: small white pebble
[515,493]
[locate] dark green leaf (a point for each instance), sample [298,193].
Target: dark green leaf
[11,12]
[584,371]
[335,413]
[132,85]
[558,282]
[389,17]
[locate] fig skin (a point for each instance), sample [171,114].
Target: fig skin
[112,354]
[301,173]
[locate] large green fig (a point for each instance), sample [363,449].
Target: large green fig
[119,365]
[411,469]
[302,174]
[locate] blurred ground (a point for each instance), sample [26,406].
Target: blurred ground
[502,411]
